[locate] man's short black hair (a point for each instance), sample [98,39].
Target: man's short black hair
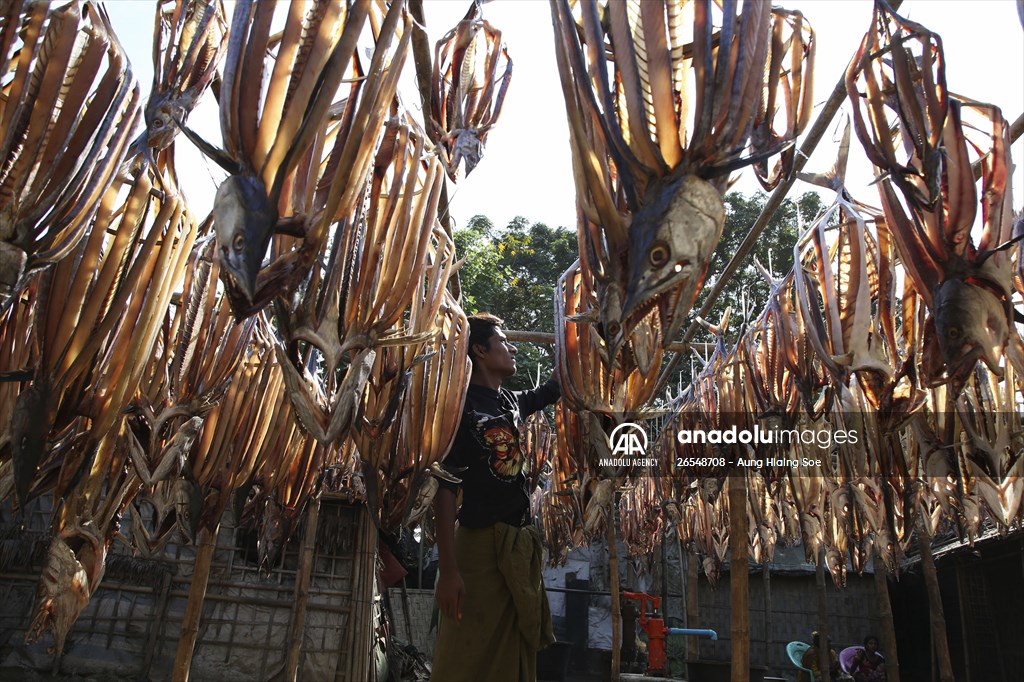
[482,327]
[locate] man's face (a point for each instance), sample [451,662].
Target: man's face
[499,356]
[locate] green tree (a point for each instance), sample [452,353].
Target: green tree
[512,272]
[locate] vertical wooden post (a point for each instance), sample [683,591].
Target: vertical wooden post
[419,564]
[155,626]
[361,651]
[692,578]
[964,627]
[739,577]
[298,627]
[938,619]
[613,586]
[663,548]
[767,578]
[196,596]
[824,650]
[884,607]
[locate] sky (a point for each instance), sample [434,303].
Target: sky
[526,169]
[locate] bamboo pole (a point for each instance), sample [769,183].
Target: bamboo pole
[548,339]
[663,548]
[613,584]
[964,628]
[196,596]
[155,626]
[739,577]
[348,647]
[824,650]
[935,612]
[362,649]
[305,569]
[767,578]
[884,607]
[405,612]
[419,563]
[692,578]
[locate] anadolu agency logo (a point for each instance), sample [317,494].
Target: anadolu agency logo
[628,443]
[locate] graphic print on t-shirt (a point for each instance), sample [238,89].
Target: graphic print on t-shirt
[506,459]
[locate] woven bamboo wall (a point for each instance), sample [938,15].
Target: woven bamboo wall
[132,624]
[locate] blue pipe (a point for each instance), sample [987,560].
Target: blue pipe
[691,631]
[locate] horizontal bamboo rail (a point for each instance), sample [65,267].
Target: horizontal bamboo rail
[548,339]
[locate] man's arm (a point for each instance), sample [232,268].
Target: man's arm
[450,591]
[547,393]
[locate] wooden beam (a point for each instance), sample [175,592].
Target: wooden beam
[548,339]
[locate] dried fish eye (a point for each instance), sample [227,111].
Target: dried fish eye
[953,332]
[238,242]
[658,255]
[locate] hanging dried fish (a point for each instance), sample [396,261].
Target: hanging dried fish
[649,173]
[472,71]
[96,320]
[190,38]
[381,255]
[69,107]
[268,132]
[897,81]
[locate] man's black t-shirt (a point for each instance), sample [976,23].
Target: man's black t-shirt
[488,445]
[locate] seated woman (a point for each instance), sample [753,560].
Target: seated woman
[811,662]
[868,665]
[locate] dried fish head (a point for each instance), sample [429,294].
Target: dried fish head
[712,570]
[274,532]
[74,567]
[160,116]
[188,507]
[424,498]
[970,323]
[671,240]
[245,222]
[12,267]
[835,561]
[886,549]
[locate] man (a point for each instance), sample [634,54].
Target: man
[490,592]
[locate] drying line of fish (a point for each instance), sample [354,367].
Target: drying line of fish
[651,157]
[895,324]
[155,368]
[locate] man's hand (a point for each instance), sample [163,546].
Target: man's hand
[450,594]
